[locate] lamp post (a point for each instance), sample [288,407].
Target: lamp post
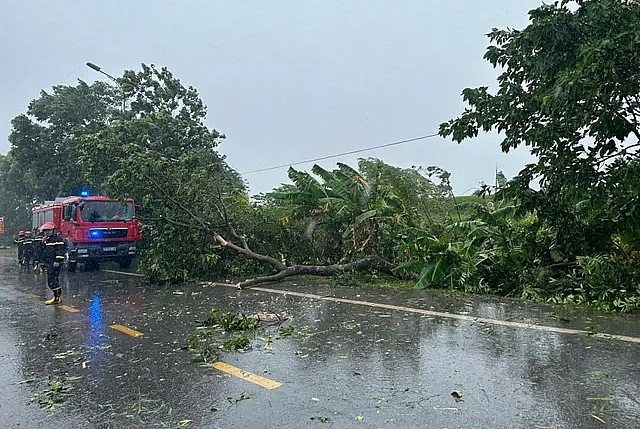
[99,70]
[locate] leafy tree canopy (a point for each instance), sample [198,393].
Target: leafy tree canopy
[160,151]
[43,141]
[569,90]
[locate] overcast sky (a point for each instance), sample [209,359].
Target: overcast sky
[285,80]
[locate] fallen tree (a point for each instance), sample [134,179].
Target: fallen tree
[372,262]
[160,151]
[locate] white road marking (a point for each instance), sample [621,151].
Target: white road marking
[465,317]
[449,315]
[123,272]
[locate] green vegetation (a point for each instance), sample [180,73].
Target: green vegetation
[569,90]
[56,393]
[219,332]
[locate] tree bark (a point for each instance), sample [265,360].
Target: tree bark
[249,253]
[370,262]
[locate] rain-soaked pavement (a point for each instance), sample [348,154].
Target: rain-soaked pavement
[358,357]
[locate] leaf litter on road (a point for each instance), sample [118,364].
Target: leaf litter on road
[321,419]
[144,408]
[241,397]
[457,395]
[55,394]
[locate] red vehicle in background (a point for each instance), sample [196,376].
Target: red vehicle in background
[95,228]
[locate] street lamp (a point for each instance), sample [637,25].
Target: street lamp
[99,70]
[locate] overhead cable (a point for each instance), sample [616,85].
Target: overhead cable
[351,152]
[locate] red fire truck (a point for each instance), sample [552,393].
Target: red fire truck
[95,228]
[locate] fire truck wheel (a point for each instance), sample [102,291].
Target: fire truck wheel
[91,265]
[71,266]
[125,262]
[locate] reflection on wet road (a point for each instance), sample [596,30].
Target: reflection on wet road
[358,357]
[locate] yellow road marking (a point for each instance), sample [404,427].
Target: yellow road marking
[33,295]
[127,331]
[69,309]
[249,376]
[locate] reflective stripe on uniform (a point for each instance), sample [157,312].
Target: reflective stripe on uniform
[54,244]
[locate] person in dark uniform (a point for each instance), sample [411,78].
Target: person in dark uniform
[28,248]
[38,245]
[20,242]
[53,257]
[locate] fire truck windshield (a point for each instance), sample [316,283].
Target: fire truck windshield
[106,211]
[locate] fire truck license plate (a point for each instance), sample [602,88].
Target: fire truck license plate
[108,249]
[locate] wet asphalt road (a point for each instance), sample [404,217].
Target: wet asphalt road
[348,364]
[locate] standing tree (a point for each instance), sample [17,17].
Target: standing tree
[569,90]
[42,162]
[161,152]
[14,207]
[361,212]
[44,140]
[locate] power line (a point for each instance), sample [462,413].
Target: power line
[351,152]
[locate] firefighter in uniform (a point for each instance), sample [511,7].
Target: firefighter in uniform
[28,248]
[38,245]
[53,257]
[20,242]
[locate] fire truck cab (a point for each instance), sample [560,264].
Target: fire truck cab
[95,229]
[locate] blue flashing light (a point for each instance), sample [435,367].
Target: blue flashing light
[84,193]
[95,233]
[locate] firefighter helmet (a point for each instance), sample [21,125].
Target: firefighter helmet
[21,233]
[47,225]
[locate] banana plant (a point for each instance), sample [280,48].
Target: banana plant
[342,202]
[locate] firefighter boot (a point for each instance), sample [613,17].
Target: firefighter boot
[57,298]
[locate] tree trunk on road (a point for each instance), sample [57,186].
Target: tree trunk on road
[368,263]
